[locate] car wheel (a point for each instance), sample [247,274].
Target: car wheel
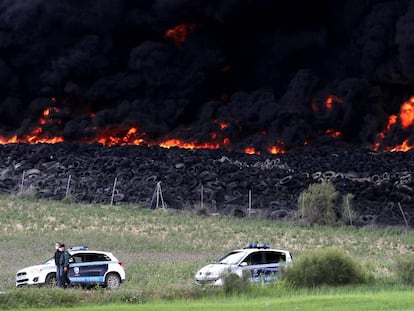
[112,281]
[51,280]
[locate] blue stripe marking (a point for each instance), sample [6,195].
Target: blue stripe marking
[87,279]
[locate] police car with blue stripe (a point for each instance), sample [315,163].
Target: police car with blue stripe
[86,268]
[258,261]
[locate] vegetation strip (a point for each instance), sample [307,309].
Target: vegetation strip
[392,300]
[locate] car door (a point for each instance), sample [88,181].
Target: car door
[272,263]
[251,265]
[262,265]
[88,268]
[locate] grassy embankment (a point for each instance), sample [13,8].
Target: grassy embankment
[162,250]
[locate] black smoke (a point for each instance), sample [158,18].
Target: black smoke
[257,65]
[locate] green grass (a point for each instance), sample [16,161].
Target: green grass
[343,300]
[163,249]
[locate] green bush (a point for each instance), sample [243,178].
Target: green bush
[321,204]
[202,211]
[34,297]
[329,266]
[37,298]
[234,284]
[404,269]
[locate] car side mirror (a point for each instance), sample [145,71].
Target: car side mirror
[71,260]
[243,264]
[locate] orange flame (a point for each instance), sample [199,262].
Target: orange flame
[223,125]
[130,136]
[328,102]
[251,150]
[32,138]
[47,114]
[112,138]
[333,133]
[173,142]
[405,146]
[407,113]
[406,118]
[35,136]
[276,150]
[392,120]
[178,34]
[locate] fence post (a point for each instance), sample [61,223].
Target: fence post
[249,209]
[349,209]
[403,214]
[68,186]
[22,183]
[113,190]
[202,197]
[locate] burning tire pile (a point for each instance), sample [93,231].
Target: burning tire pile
[217,180]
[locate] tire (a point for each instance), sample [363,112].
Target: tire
[51,280]
[285,180]
[112,281]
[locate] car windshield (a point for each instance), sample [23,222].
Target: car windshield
[232,258]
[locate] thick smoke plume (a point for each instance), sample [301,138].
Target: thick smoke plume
[241,73]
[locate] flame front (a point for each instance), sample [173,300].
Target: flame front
[406,120]
[215,140]
[36,136]
[110,138]
[169,143]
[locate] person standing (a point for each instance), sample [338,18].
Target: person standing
[59,269]
[64,263]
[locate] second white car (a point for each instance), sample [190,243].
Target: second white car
[258,261]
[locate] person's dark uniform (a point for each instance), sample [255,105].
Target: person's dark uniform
[57,257]
[59,271]
[64,262]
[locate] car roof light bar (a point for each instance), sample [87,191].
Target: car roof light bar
[79,248]
[257,245]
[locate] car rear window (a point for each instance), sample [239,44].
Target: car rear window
[265,257]
[274,257]
[90,257]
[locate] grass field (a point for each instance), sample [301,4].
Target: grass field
[162,249]
[345,301]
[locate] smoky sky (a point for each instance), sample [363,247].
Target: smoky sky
[257,65]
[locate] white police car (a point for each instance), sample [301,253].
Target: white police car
[258,261]
[86,268]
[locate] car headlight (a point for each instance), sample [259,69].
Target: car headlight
[209,274]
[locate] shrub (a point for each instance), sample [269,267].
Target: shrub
[202,211]
[328,266]
[234,284]
[37,297]
[69,199]
[404,270]
[320,204]
[28,193]
[33,297]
